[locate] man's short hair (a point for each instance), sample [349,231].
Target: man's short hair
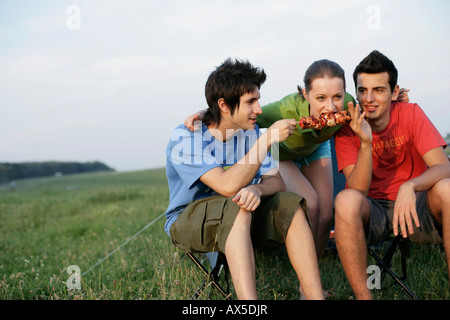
[231,80]
[376,62]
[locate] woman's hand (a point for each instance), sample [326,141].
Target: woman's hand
[403,95]
[190,121]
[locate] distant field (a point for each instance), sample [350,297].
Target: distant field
[49,224]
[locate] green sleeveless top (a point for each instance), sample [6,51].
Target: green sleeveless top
[303,142]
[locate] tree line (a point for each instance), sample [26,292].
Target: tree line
[13,171]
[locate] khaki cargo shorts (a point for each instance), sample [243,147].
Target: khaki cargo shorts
[205,224]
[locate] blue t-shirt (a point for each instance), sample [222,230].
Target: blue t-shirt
[189,155]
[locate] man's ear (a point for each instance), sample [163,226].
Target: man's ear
[395,93]
[223,105]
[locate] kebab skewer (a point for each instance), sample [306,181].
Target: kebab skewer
[324,120]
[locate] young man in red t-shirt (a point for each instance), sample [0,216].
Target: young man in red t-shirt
[396,170]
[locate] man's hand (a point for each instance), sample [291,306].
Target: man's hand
[248,198]
[281,130]
[359,125]
[404,209]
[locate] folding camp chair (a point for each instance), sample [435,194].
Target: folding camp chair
[218,263]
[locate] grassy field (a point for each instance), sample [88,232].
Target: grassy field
[49,224]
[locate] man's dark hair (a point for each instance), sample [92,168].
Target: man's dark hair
[231,80]
[376,62]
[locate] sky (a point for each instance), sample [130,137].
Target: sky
[109,80]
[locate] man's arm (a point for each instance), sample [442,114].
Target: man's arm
[249,198]
[405,204]
[359,175]
[229,182]
[438,168]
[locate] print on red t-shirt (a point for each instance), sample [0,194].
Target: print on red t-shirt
[397,150]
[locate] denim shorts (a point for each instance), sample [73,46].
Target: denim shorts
[381,216]
[323,151]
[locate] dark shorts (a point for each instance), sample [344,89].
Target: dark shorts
[381,216]
[205,224]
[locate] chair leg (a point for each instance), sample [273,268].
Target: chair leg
[385,263]
[211,278]
[405,253]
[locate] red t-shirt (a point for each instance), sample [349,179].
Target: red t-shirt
[397,150]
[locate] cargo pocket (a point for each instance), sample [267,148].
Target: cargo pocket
[212,224]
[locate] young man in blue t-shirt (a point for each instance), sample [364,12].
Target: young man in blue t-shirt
[226,193]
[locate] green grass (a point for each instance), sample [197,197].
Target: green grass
[49,224]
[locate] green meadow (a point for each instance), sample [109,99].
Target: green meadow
[110,226]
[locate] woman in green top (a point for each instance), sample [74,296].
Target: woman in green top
[305,157]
